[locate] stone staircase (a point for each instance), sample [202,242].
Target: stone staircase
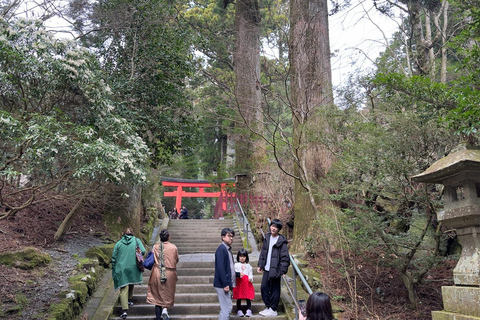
[195,296]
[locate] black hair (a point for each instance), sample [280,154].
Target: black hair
[164,235]
[319,307]
[277,223]
[226,231]
[128,231]
[242,253]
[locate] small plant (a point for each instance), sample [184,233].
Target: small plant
[338,298]
[310,246]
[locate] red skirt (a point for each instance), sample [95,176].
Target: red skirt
[244,289]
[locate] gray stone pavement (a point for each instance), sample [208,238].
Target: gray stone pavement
[197,257]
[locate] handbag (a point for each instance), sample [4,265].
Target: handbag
[149,261]
[161,260]
[139,255]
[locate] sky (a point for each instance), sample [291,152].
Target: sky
[357,36]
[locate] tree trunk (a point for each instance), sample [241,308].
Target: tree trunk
[443,68]
[428,40]
[311,87]
[249,147]
[422,48]
[410,286]
[67,222]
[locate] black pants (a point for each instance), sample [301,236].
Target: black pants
[249,304]
[270,290]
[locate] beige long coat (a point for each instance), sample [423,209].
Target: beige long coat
[163,293]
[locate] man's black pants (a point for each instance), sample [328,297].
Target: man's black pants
[270,290]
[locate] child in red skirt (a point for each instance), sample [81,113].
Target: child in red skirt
[244,288]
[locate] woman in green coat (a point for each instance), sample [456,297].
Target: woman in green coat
[125,272]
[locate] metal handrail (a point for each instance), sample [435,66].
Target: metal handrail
[243,219]
[295,271]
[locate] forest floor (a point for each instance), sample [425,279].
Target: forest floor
[33,291]
[377,291]
[380,294]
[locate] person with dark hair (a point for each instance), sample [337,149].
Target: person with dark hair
[162,294]
[125,272]
[175,214]
[224,278]
[244,289]
[318,307]
[184,213]
[274,261]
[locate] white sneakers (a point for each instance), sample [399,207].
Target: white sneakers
[263,311]
[248,313]
[165,314]
[268,312]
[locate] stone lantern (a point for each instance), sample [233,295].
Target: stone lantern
[459,172]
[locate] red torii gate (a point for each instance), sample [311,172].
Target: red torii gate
[179,193]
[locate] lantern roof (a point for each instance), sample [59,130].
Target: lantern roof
[464,158]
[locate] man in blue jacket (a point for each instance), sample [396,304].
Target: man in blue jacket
[224,279]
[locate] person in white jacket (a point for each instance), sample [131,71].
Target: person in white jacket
[244,289]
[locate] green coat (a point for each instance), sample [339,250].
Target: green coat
[124,262]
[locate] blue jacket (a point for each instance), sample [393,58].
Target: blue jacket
[223,272]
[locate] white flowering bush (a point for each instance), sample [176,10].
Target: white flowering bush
[57,119]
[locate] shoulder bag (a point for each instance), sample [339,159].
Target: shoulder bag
[139,256]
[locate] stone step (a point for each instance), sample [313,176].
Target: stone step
[209,296]
[213,222]
[201,279]
[200,238]
[185,241]
[192,225]
[183,227]
[203,288]
[199,244]
[195,298]
[201,272]
[204,250]
[207,264]
[182,230]
[186,308]
[199,317]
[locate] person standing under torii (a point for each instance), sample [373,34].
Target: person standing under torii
[184,213]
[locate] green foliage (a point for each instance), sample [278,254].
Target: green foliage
[378,147]
[21,301]
[56,116]
[82,286]
[26,259]
[146,58]
[455,103]
[103,254]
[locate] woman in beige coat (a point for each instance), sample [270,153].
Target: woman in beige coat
[162,294]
